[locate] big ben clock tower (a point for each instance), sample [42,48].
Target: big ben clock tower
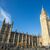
[44,27]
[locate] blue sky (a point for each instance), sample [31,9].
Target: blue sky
[26,14]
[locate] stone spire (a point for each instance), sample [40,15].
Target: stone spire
[43,12]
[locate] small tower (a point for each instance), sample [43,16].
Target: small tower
[44,27]
[6,31]
[9,32]
[2,30]
[3,26]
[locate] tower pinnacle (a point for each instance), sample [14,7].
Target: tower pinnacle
[42,8]
[43,12]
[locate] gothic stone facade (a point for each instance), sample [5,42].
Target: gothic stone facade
[16,38]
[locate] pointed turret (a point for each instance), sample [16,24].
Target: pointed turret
[4,20]
[3,24]
[43,9]
[43,12]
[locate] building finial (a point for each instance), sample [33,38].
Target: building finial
[42,8]
[43,12]
[4,20]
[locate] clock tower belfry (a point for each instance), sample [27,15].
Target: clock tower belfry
[44,27]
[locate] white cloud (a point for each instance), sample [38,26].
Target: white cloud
[4,14]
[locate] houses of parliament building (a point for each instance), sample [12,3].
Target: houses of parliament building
[7,36]
[16,38]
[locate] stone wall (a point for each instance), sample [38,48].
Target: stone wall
[31,49]
[25,49]
[4,46]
